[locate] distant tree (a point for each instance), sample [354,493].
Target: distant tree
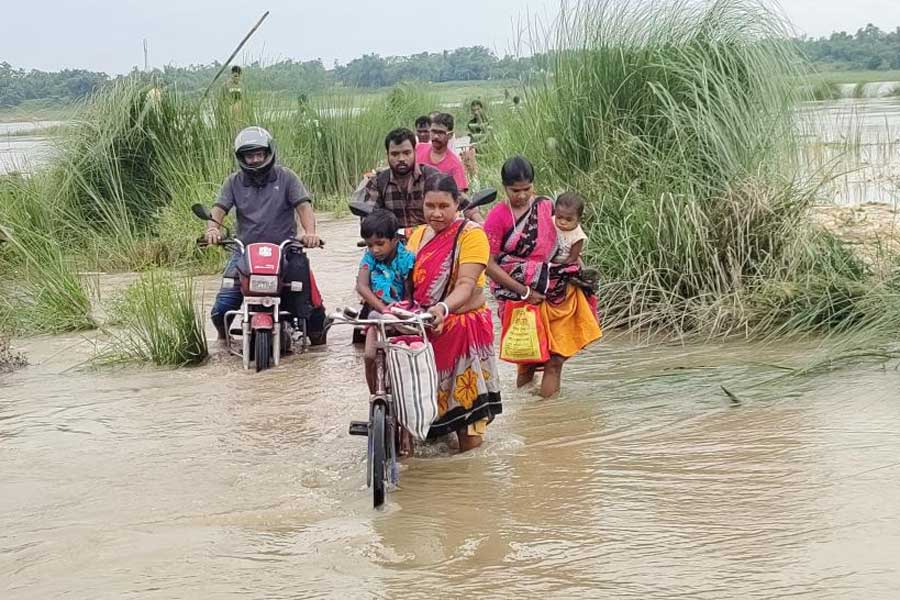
[869,48]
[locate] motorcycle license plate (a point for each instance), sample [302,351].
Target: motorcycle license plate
[263,284]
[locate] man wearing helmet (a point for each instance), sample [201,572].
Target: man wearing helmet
[266,197]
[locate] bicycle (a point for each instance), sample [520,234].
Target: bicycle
[383,428]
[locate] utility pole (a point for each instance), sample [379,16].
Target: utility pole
[146,56]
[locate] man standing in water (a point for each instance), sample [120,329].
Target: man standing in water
[268,200]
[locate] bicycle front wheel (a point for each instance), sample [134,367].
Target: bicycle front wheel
[379,454]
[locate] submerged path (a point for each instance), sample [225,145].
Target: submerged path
[641,481]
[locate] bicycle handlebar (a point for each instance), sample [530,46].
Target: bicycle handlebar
[404,317]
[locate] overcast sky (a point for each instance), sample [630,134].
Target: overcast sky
[106,35]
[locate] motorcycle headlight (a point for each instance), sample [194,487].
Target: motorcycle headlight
[264,284]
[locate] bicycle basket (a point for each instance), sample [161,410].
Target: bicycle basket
[414,382]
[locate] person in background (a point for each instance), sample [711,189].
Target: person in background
[233,84]
[423,129]
[478,125]
[439,155]
[233,94]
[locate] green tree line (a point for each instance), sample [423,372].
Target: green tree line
[17,85]
[474,63]
[288,76]
[869,48]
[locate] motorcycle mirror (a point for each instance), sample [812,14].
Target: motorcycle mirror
[480,198]
[201,212]
[360,210]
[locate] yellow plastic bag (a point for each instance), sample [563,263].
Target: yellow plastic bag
[522,339]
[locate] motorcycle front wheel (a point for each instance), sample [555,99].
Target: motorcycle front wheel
[263,349]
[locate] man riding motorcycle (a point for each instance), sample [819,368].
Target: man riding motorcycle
[267,197]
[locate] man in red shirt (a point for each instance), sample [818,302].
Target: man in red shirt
[439,155]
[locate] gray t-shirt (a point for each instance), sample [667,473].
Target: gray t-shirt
[264,214]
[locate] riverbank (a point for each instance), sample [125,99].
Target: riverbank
[871,230]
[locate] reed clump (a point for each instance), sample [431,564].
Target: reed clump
[118,195]
[677,121]
[42,291]
[160,323]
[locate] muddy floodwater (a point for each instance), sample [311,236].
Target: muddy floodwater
[642,480]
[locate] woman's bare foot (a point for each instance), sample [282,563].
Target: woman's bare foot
[468,442]
[407,447]
[525,375]
[552,376]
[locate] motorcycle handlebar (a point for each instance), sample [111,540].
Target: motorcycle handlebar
[225,242]
[299,242]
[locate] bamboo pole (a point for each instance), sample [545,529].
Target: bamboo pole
[233,54]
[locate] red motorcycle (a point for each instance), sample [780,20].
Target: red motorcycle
[268,324]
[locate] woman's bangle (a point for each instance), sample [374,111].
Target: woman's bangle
[526,294]
[445,307]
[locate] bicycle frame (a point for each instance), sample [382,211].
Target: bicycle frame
[382,395]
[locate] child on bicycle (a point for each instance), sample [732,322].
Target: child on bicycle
[384,274]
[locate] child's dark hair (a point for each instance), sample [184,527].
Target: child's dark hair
[236,70]
[379,223]
[423,121]
[573,201]
[517,169]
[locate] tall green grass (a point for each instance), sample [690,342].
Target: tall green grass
[42,291]
[160,324]
[676,120]
[129,166]
[136,159]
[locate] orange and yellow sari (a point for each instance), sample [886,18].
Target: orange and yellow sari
[524,249]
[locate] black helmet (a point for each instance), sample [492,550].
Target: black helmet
[254,138]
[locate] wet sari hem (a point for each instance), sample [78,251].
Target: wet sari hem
[485,406]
